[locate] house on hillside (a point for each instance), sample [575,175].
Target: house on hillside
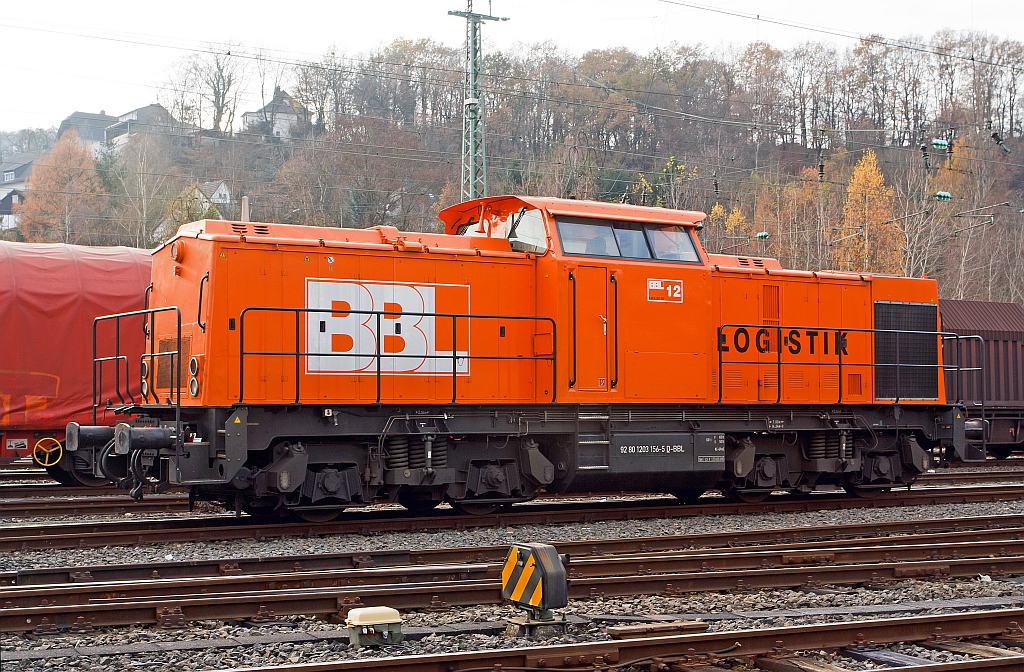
[9,220]
[14,173]
[91,129]
[277,118]
[198,200]
[217,193]
[152,119]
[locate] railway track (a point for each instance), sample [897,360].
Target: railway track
[86,504]
[960,530]
[328,586]
[366,522]
[8,475]
[22,499]
[22,490]
[772,648]
[953,477]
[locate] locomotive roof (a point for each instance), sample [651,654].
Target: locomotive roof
[470,210]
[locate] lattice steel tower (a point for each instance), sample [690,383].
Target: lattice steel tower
[474,157]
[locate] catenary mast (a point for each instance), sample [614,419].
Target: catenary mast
[474,158]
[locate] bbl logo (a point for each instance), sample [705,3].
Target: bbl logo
[349,333]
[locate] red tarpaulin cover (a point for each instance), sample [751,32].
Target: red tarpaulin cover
[49,295]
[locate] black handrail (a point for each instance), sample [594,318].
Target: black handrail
[152,356]
[145,305]
[898,365]
[615,329]
[299,353]
[575,328]
[199,310]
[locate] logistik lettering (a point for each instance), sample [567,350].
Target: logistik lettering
[795,341]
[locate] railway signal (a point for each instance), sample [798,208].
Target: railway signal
[534,579]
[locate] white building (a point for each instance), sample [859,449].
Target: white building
[277,118]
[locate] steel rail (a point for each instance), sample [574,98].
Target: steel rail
[107,533]
[694,649]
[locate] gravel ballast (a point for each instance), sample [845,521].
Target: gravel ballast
[216,645]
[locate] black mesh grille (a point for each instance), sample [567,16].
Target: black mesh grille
[914,382]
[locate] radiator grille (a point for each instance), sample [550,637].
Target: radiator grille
[164,379]
[915,382]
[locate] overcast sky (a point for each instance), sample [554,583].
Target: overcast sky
[61,56]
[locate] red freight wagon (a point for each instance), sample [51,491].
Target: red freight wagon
[997,397]
[49,296]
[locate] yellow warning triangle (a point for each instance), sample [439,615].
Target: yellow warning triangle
[238,421]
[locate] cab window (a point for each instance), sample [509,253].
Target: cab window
[671,243]
[592,237]
[630,237]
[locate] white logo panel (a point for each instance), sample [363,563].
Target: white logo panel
[347,334]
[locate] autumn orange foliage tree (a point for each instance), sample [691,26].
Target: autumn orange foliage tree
[61,201]
[871,240]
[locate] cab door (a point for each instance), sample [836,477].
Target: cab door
[592,327]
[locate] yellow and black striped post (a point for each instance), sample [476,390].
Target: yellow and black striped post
[534,577]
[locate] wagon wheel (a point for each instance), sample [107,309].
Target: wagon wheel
[1000,452]
[47,452]
[75,478]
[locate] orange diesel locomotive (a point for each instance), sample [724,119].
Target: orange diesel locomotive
[539,344]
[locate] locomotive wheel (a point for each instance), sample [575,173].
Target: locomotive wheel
[864,492]
[263,513]
[475,508]
[749,496]
[319,515]
[688,496]
[418,507]
[1000,452]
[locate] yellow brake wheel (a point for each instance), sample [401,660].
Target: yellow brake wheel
[47,452]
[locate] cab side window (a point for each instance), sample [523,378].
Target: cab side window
[672,243]
[594,239]
[630,237]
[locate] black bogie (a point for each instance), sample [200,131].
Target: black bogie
[270,460]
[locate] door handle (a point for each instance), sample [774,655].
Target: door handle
[604,324]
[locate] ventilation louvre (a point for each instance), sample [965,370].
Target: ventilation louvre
[239,228]
[770,313]
[733,378]
[261,229]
